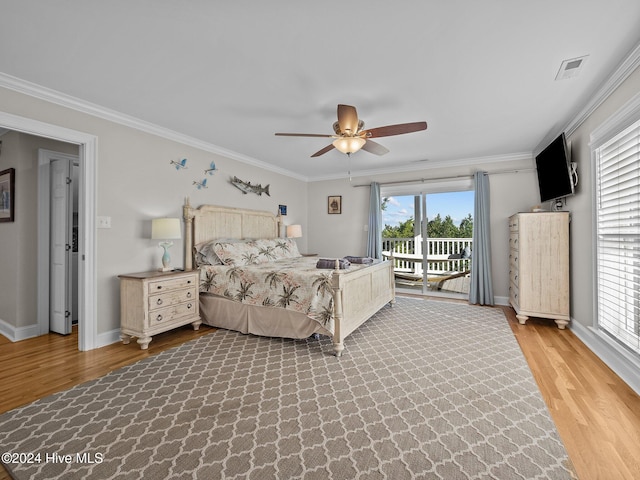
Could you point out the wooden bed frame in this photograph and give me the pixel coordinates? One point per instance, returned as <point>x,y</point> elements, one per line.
<point>357,294</point>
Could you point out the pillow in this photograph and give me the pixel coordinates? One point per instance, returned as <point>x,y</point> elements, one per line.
<point>203,254</point>
<point>272,249</point>
<point>237,254</point>
<point>466,253</point>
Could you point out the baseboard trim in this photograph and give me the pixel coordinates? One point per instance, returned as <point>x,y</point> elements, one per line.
<point>614,356</point>
<point>15,334</point>
<point>108,338</point>
<point>504,301</point>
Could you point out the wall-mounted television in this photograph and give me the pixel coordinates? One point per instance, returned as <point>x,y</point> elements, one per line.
<point>554,171</point>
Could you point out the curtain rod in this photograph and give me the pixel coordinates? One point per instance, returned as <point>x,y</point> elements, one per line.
<point>457,177</point>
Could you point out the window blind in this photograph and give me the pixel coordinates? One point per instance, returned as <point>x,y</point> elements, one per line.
<point>618,236</point>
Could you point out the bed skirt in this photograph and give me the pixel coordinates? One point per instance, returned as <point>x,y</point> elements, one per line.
<point>221,312</point>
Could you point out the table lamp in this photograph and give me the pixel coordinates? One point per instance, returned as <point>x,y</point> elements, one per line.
<point>165,229</point>
<point>294,231</point>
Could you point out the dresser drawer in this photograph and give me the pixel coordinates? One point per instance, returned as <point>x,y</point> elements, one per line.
<point>171,297</point>
<point>513,240</point>
<point>513,276</point>
<point>513,260</point>
<point>169,314</point>
<point>514,294</point>
<point>171,284</point>
<point>514,223</point>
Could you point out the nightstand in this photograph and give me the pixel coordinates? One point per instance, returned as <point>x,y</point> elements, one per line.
<point>154,302</point>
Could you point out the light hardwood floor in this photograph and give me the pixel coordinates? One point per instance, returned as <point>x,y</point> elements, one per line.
<point>596,413</point>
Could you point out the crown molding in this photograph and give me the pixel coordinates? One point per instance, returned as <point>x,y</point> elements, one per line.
<point>422,165</point>
<point>53,96</point>
<point>73,103</point>
<point>630,63</point>
<point>624,70</point>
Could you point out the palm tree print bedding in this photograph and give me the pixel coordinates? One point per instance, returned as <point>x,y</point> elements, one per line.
<point>289,283</point>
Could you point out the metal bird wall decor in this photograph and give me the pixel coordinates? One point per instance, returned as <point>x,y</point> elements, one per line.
<point>180,164</point>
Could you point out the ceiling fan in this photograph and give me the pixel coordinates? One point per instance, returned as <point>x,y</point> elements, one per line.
<point>350,135</point>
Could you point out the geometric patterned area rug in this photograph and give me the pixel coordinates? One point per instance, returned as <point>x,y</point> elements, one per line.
<point>426,389</point>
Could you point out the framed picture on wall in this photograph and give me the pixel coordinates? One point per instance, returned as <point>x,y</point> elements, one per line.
<point>282,209</point>
<point>335,204</point>
<point>7,194</point>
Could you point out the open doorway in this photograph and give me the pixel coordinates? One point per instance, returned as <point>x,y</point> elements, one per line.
<point>430,235</point>
<point>87,159</point>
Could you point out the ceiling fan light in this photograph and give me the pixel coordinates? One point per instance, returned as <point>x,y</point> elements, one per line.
<point>349,144</point>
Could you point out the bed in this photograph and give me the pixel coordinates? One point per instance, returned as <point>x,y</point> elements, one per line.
<point>354,293</point>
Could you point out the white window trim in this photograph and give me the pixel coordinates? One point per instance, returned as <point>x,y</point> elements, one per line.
<point>614,355</point>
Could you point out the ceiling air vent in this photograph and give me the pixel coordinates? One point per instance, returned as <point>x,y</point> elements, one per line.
<point>571,68</point>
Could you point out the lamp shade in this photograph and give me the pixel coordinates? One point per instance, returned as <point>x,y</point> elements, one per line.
<point>165,228</point>
<point>294,231</point>
<point>349,144</point>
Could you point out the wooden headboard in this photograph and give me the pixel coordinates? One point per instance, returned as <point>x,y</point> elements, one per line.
<point>209,222</point>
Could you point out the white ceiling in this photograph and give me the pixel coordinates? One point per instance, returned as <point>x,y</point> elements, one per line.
<point>232,73</point>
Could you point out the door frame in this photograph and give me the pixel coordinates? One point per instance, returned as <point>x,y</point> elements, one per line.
<point>421,190</point>
<point>87,273</point>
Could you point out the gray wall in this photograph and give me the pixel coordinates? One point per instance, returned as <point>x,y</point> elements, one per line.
<point>338,235</point>
<point>136,183</point>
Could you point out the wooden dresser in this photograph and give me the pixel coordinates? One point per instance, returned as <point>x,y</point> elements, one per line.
<point>539,266</point>
<point>154,302</point>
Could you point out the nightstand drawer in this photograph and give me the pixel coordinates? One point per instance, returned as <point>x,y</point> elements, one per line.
<point>169,314</point>
<point>171,297</point>
<point>171,284</point>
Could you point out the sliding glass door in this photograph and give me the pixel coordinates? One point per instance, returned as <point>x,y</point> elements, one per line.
<point>429,233</point>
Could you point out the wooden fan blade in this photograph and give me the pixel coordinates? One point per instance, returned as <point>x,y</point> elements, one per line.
<point>304,135</point>
<point>324,150</point>
<point>347,119</point>
<point>399,129</point>
<point>375,148</point>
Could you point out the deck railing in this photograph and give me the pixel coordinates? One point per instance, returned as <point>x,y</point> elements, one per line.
<point>439,249</point>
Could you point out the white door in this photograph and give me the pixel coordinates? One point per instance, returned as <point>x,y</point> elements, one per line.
<point>60,291</point>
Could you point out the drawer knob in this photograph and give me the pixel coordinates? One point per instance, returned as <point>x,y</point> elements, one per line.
<point>159,287</point>
<point>159,318</point>
<point>188,294</point>
<point>189,305</point>
<point>159,301</point>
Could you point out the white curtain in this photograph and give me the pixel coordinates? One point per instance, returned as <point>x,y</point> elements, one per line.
<point>374,238</point>
<point>481,288</point>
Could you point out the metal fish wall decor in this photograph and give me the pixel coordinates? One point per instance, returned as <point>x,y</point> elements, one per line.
<point>246,187</point>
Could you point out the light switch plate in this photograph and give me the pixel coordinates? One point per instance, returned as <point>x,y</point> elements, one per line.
<point>104,222</point>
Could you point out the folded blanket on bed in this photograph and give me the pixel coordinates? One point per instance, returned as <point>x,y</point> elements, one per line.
<point>331,263</point>
<point>351,259</point>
